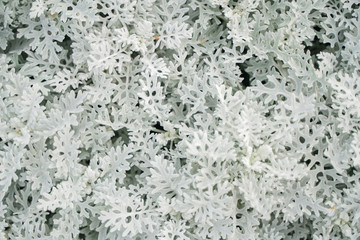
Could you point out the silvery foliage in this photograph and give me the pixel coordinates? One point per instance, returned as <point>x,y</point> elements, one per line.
<point>176,119</point>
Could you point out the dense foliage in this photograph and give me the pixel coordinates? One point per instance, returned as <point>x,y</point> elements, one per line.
<point>180,119</point>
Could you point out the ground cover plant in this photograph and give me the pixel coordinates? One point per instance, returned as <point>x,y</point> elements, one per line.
<point>179,119</point>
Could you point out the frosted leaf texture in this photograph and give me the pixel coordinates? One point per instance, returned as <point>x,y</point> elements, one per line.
<point>179,119</point>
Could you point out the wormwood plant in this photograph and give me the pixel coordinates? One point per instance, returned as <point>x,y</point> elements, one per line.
<point>180,119</point>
